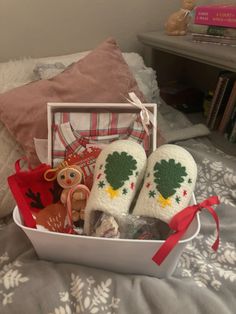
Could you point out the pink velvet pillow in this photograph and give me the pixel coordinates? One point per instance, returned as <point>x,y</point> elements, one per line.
<point>102,76</point>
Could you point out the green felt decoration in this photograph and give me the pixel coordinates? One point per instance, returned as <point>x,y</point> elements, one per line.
<point>124,191</point>
<point>152,194</point>
<point>101,184</point>
<point>177,199</point>
<point>168,176</point>
<point>119,167</point>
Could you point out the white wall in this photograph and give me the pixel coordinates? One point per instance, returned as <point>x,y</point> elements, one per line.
<point>49,27</point>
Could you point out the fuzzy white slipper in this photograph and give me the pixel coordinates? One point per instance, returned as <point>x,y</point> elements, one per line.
<point>118,173</point>
<point>169,183</point>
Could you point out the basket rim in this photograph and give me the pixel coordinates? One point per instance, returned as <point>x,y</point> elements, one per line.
<point>17,220</point>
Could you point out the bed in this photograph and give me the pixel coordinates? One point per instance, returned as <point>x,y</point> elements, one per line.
<point>204,281</point>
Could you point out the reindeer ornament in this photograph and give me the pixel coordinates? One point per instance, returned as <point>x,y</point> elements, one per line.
<point>74,194</point>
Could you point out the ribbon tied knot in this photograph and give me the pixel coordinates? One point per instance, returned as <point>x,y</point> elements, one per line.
<point>180,223</point>
<point>145,115</point>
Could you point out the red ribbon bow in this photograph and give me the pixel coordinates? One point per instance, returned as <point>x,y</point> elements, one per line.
<point>180,223</point>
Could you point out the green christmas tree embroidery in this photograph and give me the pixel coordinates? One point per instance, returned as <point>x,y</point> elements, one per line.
<point>168,176</point>
<point>119,167</point>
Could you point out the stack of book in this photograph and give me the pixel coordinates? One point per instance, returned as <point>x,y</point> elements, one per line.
<point>222,111</point>
<point>214,24</point>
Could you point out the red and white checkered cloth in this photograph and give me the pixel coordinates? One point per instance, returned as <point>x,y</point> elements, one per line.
<point>73,131</point>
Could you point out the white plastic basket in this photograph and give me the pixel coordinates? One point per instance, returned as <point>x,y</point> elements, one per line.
<point>119,255</point>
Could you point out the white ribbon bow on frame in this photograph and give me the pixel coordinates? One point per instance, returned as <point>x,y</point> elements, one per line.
<point>145,115</point>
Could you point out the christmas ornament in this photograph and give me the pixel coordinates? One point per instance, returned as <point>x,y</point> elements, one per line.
<point>67,175</point>
<point>75,204</point>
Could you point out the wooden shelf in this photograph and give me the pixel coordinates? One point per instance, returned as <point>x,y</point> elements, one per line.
<point>217,56</point>
<point>222,57</point>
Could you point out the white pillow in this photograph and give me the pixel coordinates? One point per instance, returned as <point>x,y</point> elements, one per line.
<point>45,71</point>
<point>15,73</point>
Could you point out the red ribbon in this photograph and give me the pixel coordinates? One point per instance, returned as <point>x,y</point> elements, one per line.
<point>180,223</point>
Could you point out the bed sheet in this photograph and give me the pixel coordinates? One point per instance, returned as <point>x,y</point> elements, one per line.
<point>203,282</point>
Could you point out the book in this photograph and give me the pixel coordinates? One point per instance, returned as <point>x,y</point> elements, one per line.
<point>232,136</point>
<point>217,97</point>
<point>216,14</point>
<point>222,106</point>
<point>212,30</point>
<point>203,38</point>
<point>230,128</point>
<point>218,105</point>
<point>231,104</point>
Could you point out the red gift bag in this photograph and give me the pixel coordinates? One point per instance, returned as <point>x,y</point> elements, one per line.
<point>32,192</point>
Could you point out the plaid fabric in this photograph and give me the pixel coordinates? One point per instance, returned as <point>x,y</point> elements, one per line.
<point>75,130</point>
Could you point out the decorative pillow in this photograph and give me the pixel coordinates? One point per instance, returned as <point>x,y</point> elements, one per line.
<point>101,76</point>
<point>16,73</point>
<point>145,76</point>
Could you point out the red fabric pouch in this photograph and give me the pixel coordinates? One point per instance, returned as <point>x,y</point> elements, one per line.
<point>32,192</point>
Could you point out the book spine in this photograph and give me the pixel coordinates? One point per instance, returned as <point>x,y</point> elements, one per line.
<point>212,30</point>
<point>213,42</point>
<point>216,15</point>
<point>230,125</point>
<point>218,104</point>
<point>214,39</point>
<point>232,136</point>
<point>215,100</point>
<point>221,31</point>
<point>229,109</point>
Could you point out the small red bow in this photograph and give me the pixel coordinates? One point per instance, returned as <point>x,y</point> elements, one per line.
<point>180,223</point>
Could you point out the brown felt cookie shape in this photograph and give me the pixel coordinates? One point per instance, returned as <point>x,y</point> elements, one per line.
<point>118,173</point>
<point>169,183</point>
